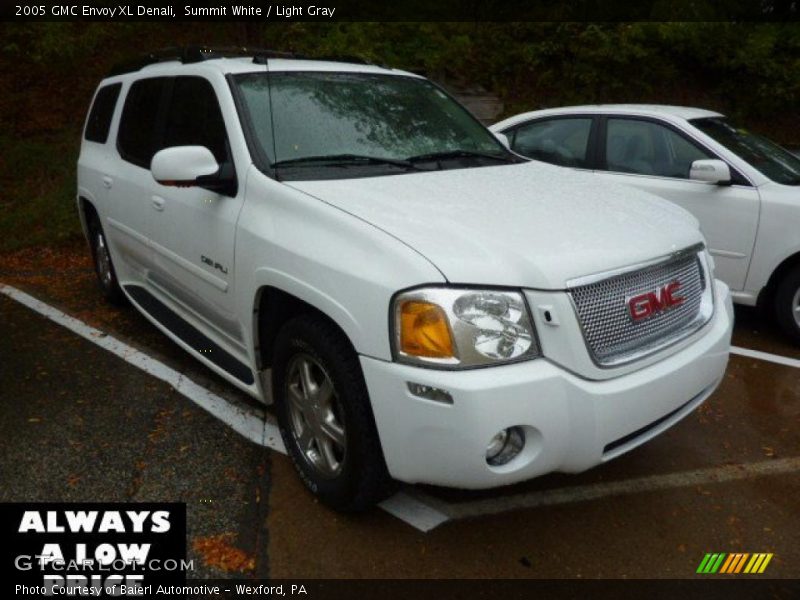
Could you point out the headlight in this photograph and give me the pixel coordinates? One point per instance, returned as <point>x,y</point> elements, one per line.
<point>462,328</point>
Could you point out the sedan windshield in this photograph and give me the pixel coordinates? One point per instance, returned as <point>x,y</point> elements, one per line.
<point>319,125</point>
<point>778,164</point>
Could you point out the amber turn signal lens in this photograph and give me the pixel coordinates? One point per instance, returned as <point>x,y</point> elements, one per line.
<point>424,330</point>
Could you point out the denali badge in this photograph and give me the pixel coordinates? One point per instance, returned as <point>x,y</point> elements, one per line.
<point>212,263</point>
<point>651,303</point>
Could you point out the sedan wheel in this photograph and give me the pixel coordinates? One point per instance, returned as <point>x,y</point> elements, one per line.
<point>787,304</point>
<point>796,308</point>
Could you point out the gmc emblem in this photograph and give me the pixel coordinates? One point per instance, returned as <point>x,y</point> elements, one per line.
<point>651,303</point>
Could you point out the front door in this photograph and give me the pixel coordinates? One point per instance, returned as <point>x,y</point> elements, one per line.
<point>193,229</point>
<point>656,158</point>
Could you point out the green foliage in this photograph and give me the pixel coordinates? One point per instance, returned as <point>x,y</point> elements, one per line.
<point>38,179</point>
<point>748,70</point>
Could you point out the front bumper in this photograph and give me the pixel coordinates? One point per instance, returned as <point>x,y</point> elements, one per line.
<point>571,423</point>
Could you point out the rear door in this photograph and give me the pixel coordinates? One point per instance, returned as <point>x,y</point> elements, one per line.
<point>655,156</point>
<point>193,229</point>
<point>96,162</point>
<point>130,182</point>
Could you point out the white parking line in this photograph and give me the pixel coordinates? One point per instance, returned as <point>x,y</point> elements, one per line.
<point>595,491</point>
<point>414,507</point>
<point>415,511</point>
<point>244,420</point>
<point>773,358</point>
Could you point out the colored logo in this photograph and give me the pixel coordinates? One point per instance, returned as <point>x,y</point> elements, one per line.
<point>730,564</point>
<point>651,303</point>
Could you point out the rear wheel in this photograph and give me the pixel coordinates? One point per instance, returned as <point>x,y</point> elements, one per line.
<point>103,266</point>
<point>787,304</point>
<point>325,416</point>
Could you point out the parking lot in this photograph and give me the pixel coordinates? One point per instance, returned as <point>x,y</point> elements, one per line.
<point>120,413</point>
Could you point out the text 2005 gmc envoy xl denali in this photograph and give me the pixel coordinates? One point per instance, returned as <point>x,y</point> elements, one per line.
<point>421,304</point>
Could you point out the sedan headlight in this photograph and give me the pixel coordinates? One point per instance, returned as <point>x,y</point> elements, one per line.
<point>462,328</point>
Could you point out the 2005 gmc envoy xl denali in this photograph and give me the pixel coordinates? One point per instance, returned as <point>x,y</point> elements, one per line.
<point>420,304</point>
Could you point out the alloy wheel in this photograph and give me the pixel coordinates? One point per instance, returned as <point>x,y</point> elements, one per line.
<point>103,260</point>
<point>315,415</point>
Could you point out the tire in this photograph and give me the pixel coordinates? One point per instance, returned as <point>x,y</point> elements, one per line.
<point>103,265</point>
<point>325,415</point>
<point>787,304</point>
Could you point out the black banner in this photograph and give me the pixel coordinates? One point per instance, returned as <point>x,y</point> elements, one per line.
<point>407,10</point>
<point>483,589</point>
<point>92,549</point>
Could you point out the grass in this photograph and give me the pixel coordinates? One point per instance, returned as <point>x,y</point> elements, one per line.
<point>37,178</point>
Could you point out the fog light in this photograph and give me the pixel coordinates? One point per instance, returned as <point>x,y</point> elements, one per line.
<point>504,446</point>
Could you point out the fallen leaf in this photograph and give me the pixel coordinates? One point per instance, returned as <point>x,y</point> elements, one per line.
<point>216,551</point>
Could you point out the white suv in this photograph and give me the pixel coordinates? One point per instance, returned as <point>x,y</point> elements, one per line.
<point>424,305</point>
<point>743,188</point>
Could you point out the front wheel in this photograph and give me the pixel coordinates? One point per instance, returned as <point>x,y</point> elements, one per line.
<point>787,304</point>
<point>325,415</point>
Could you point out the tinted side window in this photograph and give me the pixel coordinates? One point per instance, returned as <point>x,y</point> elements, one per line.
<point>558,141</point>
<point>647,148</point>
<point>138,137</point>
<point>99,121</point>
<point>194,118</point>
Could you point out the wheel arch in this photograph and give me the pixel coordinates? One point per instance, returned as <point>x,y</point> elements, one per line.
<point>767,293</point>
<point>274,306</point>
<point>86,210</point>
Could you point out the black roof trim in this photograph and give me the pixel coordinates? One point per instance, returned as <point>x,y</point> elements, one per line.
<point>196,54</point>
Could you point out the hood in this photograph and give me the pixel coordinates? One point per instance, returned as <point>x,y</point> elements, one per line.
<point>524,225</point>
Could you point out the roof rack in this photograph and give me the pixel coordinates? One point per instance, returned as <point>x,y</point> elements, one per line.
<point>196,54</point>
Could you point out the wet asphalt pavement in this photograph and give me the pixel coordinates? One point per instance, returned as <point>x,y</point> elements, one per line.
<point>78,423</point>
<point>81,425</point>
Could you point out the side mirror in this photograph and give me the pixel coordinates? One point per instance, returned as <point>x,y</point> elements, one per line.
<point>503,139</point>
<point>710,171</point>
<point>182,166</point>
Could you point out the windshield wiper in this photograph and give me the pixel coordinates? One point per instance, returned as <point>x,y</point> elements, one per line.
<point>457,154</point>
<point>344,159</point>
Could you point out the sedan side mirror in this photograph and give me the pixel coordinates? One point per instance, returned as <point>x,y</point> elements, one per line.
<point>710,171</point>
<point>182,166</point>
<point>503,139</point>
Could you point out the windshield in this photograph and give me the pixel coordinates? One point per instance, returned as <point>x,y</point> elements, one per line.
<point>773,161</point>
<point>325,125</point>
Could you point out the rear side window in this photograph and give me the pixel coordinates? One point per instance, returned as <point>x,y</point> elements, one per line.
<point>194,118</point>
<point>99,121</point>
<point>138,135</point>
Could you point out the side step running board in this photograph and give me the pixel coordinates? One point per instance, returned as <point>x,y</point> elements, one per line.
<point>189,334</point>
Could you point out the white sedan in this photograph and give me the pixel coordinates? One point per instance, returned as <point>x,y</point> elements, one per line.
<point>743,188</point>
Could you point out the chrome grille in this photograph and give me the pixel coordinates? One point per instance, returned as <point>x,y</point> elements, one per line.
<point>611,334</point>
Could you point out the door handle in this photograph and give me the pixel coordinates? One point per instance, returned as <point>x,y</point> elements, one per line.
<point>158,203</point>
<point>107,182</point>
